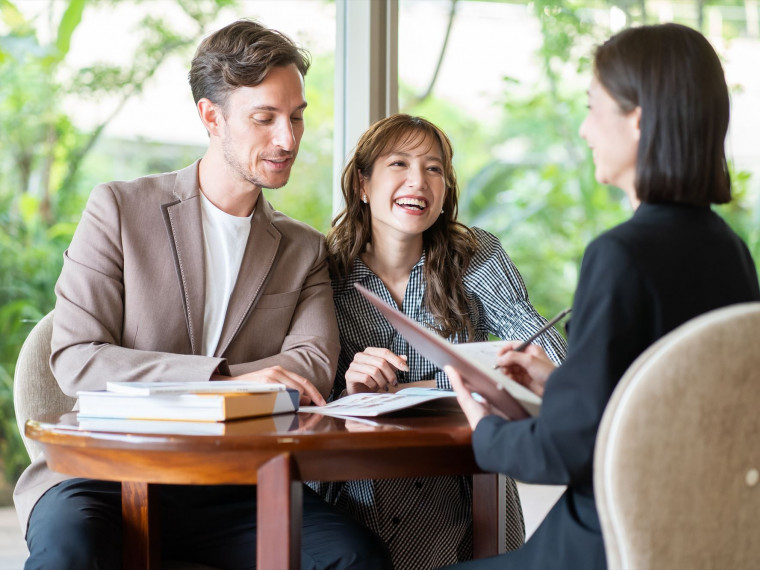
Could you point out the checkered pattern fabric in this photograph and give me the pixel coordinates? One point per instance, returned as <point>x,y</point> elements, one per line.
<point>427,522</point>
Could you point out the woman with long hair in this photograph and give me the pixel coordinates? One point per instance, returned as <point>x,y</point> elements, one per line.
<point>657,121</point>
<point>399,237</point>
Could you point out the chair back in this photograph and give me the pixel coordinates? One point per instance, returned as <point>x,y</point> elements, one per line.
<point>35,390</point>
<point>677,456</point>
<point>36,393</point>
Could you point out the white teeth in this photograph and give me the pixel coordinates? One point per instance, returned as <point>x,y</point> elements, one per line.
<point>415,202</point>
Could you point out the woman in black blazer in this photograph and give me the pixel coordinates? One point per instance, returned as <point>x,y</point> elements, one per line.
<point>657,120</point>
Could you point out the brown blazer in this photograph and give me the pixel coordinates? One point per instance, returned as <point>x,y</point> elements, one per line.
<point>130,299</point>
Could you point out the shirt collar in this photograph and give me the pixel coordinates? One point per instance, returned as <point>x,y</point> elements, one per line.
<point>360,272</point>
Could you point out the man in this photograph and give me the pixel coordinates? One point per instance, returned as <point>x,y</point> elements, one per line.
<point>191,275</point>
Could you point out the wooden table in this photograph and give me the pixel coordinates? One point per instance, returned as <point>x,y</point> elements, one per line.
<point>276,453</point>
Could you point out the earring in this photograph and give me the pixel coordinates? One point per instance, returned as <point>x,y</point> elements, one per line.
<point>441,211</point>
<point>364,198</point>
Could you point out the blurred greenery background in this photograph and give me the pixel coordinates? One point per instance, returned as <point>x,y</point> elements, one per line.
<point>525,174</point>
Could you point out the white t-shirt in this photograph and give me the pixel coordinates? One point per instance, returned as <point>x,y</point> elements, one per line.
<point>224,241</point>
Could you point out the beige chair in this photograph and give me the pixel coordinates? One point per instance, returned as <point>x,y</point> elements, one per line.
<point>36,393</point>
<point>677,457</point>
<point>35,390</point>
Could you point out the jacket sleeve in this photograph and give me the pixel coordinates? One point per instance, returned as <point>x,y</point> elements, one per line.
<point>312,345</point>
<point>506,310</point>
<point>89,312</point>
<point>609,329</point>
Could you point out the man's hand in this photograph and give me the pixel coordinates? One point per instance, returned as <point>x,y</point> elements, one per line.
<point>531,368</point>
<point>374,370</point>
<point>278,375</point>
<point>474,410</point>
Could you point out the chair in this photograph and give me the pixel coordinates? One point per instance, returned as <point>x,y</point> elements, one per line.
<point>36,393</point>
<point>35,390</point>
<point>677,454</point>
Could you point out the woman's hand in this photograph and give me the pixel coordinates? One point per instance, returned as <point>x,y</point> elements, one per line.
<point>374,370</point>
<point>531,368</point>
<point>473,410</point>
<point>278,375</point>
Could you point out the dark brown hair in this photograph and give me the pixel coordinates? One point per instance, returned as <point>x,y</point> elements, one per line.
<point>241,55</point>
<point>449,245</point>
<point>674,75</point>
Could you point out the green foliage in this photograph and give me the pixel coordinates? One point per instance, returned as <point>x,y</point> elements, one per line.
<point>30,261</point>
<point>42,187</point>
<point>308,194</point>
<point>69,22</point>
<point>529,178</point>
<point>743,212</point>
<point>539,194</point>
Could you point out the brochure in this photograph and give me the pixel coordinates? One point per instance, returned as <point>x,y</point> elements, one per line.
<point>374,404</point>
<point>474,360</point>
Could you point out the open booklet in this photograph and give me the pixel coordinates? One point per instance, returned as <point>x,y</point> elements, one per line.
<point>370,405</point>
<point>474,361</point>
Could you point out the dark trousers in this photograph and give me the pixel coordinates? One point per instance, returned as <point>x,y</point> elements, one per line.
<point>77,525</point>
<point>568,538</point>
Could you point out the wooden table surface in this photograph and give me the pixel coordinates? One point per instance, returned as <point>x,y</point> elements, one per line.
<point>277,453</point>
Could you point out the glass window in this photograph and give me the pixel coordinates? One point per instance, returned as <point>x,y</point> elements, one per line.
<point>506,81</point>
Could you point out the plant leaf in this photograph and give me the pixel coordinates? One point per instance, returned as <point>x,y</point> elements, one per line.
<point>69,23</point>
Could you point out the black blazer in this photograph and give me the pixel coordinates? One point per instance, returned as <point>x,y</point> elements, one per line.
<point>638,281</point>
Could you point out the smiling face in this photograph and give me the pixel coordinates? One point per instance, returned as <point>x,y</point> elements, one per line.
<point>261,128</point>
<point>613,137</point>
<point>406,189</point>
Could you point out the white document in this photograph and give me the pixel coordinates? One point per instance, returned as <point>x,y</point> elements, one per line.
<point>378,403</point>
<point>483,355</point>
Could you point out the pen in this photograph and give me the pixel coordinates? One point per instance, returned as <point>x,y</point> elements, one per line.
<point>539,332</point>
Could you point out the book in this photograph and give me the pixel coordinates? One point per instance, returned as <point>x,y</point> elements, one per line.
<point>279,422</point>
<point>190,407</point>
<point>474,360</point>
<point>216,387</point>
<point>374,404</point>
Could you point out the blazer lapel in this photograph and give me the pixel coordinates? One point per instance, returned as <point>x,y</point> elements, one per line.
<point>258,259</point>
<point>185,231</point>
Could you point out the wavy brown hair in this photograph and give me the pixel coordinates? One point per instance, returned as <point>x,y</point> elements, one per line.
<point>448,244</point>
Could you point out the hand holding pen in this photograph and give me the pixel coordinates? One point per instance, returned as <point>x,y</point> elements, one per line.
<point>528,363</point>
<point>522,346</point>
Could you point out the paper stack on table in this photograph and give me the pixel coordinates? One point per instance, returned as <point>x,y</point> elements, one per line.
<point>188,401</point>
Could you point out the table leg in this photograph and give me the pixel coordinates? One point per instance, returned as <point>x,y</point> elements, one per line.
<point>279,515</point>
<point>140,524</point>
<point>485,514</point>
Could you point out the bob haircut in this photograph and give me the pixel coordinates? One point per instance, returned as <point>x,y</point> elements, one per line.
<point>241,55</point>
<point>674,75</point>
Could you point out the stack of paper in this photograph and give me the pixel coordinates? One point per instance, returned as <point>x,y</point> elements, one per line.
<point>245,426</point>
<point>187,401</point>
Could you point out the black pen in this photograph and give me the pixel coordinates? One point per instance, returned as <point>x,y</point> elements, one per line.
<point>539,332</point>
